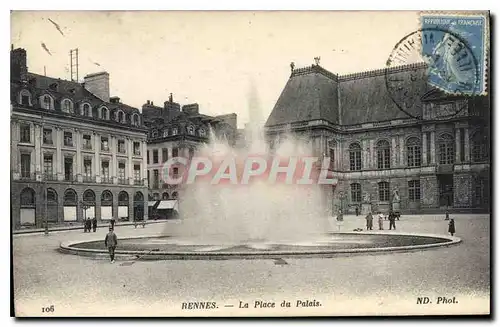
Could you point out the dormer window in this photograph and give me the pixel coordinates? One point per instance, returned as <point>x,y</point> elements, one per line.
<point>135,119</point>
<point>104,113</point>
<point>67,106</point>
<point>47,102</point>
<point>190,130</point>
<point>25,98</point>
<point>86,110</point>
<point>174,131</point>
<point>154,134</point>
<point>165,132</point>
<point>202,132</point>
<point>120,117</point>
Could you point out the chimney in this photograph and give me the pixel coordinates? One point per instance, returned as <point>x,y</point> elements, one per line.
<point>147,102</point>
<point>191,109</point>
<point>18,66</point>
<point>114,100</point>
<point>98,84</point>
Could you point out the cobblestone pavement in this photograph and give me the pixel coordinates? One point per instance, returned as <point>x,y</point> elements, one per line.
<point>360,284</point>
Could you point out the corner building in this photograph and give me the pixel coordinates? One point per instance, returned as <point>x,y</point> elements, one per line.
<point>435,153</point>
<point>75,146</point>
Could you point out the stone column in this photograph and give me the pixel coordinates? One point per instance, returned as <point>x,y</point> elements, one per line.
<point>424,149</point>
<point>365,154</point>
<point>466,145</point>
<point>457,145</point>
<point>97,163</point>
<point>14,156</point>
<point>394,152</point>
<point>130,163</point>
<point>373,156</point>
<point>114,162</point>
<point>144,168</point>
<point>433,147</point>
<point>339,158</point>
<point>79,160</point>
<point>402,159</point>
<point>38,145</point>
<point>58,139</point>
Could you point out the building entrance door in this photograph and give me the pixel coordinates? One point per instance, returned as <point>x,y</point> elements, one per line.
<point>445,182</point>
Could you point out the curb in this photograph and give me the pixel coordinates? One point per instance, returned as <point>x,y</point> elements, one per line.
<point>70,248</point>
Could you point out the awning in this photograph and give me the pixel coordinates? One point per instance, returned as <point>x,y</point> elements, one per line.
<point>168,204</point>
<point>151,203</point>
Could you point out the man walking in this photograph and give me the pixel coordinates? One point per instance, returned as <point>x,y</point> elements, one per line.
<point>369,221</point>
<point>112,222</point>
<point>392,220</point>
<point>111,241</point>
<point>94,224</point>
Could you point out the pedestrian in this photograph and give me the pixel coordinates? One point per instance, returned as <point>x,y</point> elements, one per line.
<point>369,221</point>
<point>451,227</point>
<point>111,241</point>
<point>94,224</point>
<point>85,225</point>
<point>447,215</point>
<point>357,211</point>
<point>112,221</point>
<point>392,220</point>
<point>380,222</point>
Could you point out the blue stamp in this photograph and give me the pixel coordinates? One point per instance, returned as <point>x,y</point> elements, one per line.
<point>455,49</point>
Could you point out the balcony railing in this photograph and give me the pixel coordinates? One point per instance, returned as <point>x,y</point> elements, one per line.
<point>87,146</point>
<point>68,143</point>
<point>137,152</point>
<point>70,178</point>
<point>122,181</point>
<point>88,179</point>
<point>106,180</point>
<point>27,176</point>
<point>138,182</point>
<point>50,177</point>
<point>121,150</point>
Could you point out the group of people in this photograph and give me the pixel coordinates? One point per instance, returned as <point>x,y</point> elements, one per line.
<point>392,220</point>
<point>89,224</point>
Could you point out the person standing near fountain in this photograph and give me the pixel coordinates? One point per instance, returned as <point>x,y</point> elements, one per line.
<point>111,241</point>
<point>451,227</point>
<point>380,222</point>
<point>392,220</point>
<point>369,221</point>
<point>94,224</point>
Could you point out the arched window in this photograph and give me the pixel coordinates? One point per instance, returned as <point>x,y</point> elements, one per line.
<point>104,113</point>
<point>51,195</point>
<point>156,196</point>
<point>47,102</point>
<point>356,192</point>
<point>165,132</point>
<point>413,152</point>
<point>154,134</point>
<point>25,98</point>
<point>86,110</point>
<point>190,130</point>
<point>70,197</point>
<point>480,147</point>
<point>138,197</point>
<point>202,132</point>
<point>383,154</point>
<point>355,157</point>
<point>28,197</point>
<point>446,149</point>
<point>123,197</point>
<point>383,191</point>
<point>67,106</point>
<point>174,131</point>
<point>164,196</point>
<point>135,119</point>
<point>89,197</point>
<point>106,198</point>
<point>120,117</point>
<point>175,195</point>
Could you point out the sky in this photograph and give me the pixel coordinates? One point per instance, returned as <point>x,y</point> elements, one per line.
<point>217,59</point>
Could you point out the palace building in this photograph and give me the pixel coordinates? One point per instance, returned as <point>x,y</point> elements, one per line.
<point>432,148</point>
<point>76,152</point>
<point>177,132</point>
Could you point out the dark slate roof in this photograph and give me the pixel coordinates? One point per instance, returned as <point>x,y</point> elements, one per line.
<point>310,94</point>
<point>364,97</point>
<point>314,93</point>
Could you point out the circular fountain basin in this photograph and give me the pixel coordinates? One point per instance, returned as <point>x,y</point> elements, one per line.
<point>330,245</point>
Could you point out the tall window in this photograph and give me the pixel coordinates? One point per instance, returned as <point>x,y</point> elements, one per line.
<point>87,110</point>
<point>105,171</point>
<point>68,168</point>
<point>121,172</point>
<point>202,132</point>
<point>87,169</point>
<point>480,146</point>
<point>104,143</point>
<point>174,131</point>
<point>414,190</point>
<point>331,153</point>
<point>47,136</point>
<point>25,130</point>
<point>121,146</point>
<point>105,113</point>
<point>25,165</point>
<point>67,106</point>
<point>147,155</point>
<point>25,98</point>
<point>155,179</point>
<point>68,138</point>
<point>175,152</point>
<point>164,154</point>
<point>137,173</point>
<point>383,154</point>
<point>137,148</point>
<point>355,157</point>
<point>383,191</point>
<point>87,142</point>
<point>190,130</point>
<point>356,192</point>
<point>413,151</point>
<point>48,165</point>
<point>446,149</point>
<point>155,156</point>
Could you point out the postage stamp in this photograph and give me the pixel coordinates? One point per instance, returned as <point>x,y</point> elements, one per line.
<point>456,50</point>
